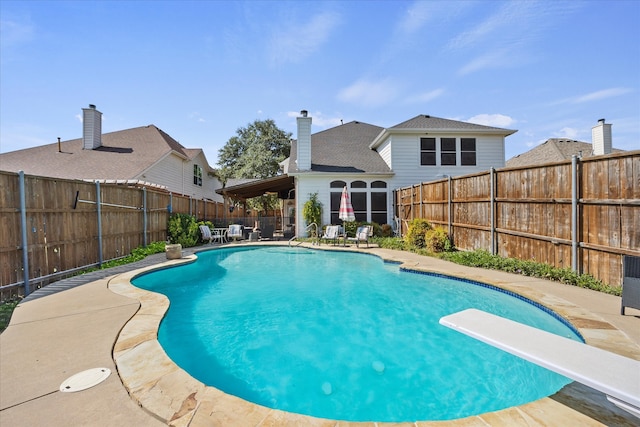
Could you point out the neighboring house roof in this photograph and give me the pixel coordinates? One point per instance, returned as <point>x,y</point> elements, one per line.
<point>553,150</point>
<point>344,148</point>
<point>123,154</point>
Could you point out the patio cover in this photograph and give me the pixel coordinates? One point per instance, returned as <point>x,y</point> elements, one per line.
<point>279,184</point>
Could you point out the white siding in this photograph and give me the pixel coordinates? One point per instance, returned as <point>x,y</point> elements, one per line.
<point>177,175</point>
<point>167,172</point>
<point>406,159</point>
<point>385,152</point>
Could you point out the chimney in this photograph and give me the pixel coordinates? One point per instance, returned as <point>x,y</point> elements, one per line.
<point>304,141</point>
<point>91,128</point>
<point>601,138</point>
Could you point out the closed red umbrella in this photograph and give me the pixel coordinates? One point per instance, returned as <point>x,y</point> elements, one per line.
<point>346,210</point>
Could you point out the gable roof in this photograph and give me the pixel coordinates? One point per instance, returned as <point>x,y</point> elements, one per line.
<point>343,149</point>
<point>123,154</point>
<point>553,150</point>
<point>427,123</point>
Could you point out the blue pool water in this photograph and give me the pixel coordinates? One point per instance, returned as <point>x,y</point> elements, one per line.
<point>342,336</point>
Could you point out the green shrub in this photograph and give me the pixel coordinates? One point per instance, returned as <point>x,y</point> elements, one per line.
<point>484,259</point>
<point>312,212</point>
<point>416,230</point>
<point>386,230</point>
<point>390,243</point>
<point>183,229</point>
<point>436,240</point>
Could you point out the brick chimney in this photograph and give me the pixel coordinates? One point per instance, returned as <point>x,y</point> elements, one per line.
<point>601,138</point>
<point>304,141</point>
<point>91,128</point>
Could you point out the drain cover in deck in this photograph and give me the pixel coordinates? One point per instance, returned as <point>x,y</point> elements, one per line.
<point>85,379</point>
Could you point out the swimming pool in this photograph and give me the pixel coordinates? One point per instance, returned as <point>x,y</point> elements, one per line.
<point>341,336</point>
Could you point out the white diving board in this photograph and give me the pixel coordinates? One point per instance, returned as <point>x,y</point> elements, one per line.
<point>616,376</point>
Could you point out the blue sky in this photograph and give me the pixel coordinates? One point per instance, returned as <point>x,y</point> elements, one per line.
<point>199,70</point>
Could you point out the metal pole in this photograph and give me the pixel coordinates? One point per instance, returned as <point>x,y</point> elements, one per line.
<point>493,210</point>
<point>144,216</point>
<point>99,212</point>
<point>23,226</point>
<point>450,208</point>
<point>574,213</point>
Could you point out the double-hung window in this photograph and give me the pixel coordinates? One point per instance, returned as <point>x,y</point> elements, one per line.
<point>197,175</point>
<point>448,151</point>
<point>468,151</point>
<point>428,151</point>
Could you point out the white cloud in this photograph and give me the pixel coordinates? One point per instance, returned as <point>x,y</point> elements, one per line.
<point>495,120</point>
<point>370,93</point>
<point>416,16</point>
<point>567,132</point>
<point>601,94</point>
<point>293,43</point>
<point>319,119</point>
<point>14,33</point>
<point>425,96</point>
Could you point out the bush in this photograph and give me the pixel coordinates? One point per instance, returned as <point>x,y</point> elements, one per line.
<point>386,230</point>
<point>437,240</point>
<point>415,236</point>
<point>183,229</point>
<point>312,212</point>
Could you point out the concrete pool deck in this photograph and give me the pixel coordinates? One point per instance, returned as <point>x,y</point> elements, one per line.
<point>57,334</point>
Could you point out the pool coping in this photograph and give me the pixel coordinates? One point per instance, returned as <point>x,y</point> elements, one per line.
<point>171,395</point>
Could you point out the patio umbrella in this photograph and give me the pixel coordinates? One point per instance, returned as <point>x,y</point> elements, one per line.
<point>346,210</point>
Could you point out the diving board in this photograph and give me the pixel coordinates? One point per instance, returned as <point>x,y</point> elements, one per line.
<point>616,376</point>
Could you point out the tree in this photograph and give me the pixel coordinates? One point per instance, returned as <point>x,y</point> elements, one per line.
<point>255,152</point>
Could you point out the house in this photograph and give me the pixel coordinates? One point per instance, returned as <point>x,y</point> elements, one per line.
<point>144,155</point>
<point>562,149</point>
<point>372,161</point>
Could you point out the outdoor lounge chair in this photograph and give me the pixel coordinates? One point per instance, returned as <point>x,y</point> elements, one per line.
<point>630,283</point>
<point>362,235</point>
<point>235,232</point>
<point>266,232</point>
<point>331,233</point>
<point>206,233</point>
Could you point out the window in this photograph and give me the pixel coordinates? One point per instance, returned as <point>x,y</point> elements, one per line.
<point>334,196</point>
<point>468,151</point>
<point>428,151</point>
<point>447,151</point>
<point>197,175</point>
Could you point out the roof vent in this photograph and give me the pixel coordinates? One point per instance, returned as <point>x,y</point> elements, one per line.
<point>426,116</point>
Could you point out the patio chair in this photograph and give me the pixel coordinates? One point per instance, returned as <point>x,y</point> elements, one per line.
<point>330,233</point>
<point>235,232</point>
<point>266,232</point>
<point>630,283</point>
<point>362,235</point>
<point>206,233</point>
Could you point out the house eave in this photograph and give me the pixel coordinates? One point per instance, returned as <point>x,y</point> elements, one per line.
<point>434,131</point>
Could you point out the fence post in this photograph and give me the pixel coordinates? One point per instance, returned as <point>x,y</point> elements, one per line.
<point>574,213</point>
<point>492,177</point>
<point>23,226</point>
<point>450,206</point>
<point>99,212</point>
<point>144,217</point>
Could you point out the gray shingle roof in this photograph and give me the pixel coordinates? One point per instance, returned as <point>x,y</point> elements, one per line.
<point>124,154</point>
<point>424,121</point>
<point>553,150</point>
<point>344,149</point>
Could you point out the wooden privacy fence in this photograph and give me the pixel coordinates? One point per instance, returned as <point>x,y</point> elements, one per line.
<point>583,214</point>
<point>68,225</point>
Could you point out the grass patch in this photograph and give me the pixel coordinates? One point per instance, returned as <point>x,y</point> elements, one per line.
<point>484,259</point>
<point>6,309</point>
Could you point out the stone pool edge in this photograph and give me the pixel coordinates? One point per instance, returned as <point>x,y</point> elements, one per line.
<point>170,394</point>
